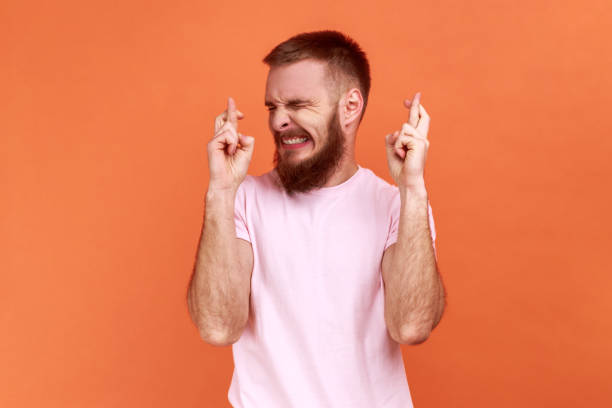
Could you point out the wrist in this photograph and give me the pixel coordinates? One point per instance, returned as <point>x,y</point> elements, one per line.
<point>221,194</point>
<point>414,187</point>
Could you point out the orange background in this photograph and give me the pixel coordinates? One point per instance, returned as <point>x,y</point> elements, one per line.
<point>105,114</point>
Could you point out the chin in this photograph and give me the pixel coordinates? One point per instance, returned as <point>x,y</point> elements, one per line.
<point>297,156</point>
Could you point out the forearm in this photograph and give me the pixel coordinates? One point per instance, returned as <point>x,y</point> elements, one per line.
<point>441,302</point>
<point>214,291</point>
<point>416,294</point>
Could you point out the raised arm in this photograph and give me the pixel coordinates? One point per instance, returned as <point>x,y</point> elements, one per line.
<point>414,292</point>
<point>219,289</point>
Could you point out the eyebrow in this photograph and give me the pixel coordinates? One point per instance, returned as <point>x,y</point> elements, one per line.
<point>294,101</point>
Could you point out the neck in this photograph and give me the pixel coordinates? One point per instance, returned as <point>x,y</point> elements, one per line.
<point>346,169</point>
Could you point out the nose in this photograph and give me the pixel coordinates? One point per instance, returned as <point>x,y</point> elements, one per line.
<point>279,120</point>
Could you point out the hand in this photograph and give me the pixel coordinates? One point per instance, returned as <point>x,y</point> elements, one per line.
<point>407,147</point>
<point>229,152</point>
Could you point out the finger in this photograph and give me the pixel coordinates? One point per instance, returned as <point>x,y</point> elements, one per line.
<point>403,140</point>
<point>246,141</point>
<point>226,135</point>
<point>229,137</point>
<point>225,140</point>
<point>423,126</point>
<point>232,144</point>
<point>403,144</point>
<point>226,127</point>
<point>414,110</point>
<point>238,144</point>
<point>399,151</point>
<point>410,142</point>
<point>407,103</point>
<point>231,112</point>
<point>411,131</point>
<point>222,118</point>
<point>219,121</point>
<point>239,114</point>
<point>392,137</point>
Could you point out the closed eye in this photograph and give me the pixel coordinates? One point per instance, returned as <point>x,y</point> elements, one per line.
<point>297,103</point>
<point>293,106</point>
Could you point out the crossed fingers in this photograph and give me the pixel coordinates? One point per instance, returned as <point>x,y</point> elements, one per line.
<point>234,115</point>
<point>418,118</point>
<point>416,127</point>
<point>226,126</point>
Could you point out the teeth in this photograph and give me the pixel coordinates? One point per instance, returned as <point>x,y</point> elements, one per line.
<point>295,140</point>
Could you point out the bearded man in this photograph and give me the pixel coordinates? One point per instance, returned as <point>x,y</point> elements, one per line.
<point>316,271</point>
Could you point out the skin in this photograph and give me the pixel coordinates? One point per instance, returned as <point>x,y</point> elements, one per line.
<point>414,292</point>
<point>300,100</point>
<point>220,286</point>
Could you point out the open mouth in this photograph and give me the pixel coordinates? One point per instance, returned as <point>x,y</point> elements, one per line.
<point>295,142</point>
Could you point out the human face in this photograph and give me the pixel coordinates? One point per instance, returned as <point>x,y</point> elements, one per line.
<point>299,104</point>
<point>297,96</point>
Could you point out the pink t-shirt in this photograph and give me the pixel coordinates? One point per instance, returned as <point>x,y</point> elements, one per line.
<point>316,335</point>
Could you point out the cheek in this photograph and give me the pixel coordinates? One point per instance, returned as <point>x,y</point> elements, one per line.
<point>306,125</point>
<point>314,126</point>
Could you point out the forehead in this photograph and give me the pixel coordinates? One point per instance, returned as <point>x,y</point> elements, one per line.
<point>306,79</point>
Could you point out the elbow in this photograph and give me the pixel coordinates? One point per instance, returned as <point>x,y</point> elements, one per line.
<point>219,339</point>
<point>413,335</point>
<point>221,333</point>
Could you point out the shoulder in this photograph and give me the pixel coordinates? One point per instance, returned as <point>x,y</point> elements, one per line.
<point>264,182</point>
<point>379,187</point>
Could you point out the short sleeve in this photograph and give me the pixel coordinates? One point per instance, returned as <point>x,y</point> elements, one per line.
<point>395,214</point>
<point>432,228</point>
<point>240,213</point>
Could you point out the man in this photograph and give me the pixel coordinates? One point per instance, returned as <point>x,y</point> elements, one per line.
<point>318,270</point>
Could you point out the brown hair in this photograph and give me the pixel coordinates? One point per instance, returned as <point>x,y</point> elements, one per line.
<point>345,59</point>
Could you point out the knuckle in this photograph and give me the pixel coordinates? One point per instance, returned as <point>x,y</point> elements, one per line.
<point>223,133</point>
<point>227,126</point>
<point>219,135</point>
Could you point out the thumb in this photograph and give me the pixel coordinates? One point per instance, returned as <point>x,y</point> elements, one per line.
<point>247,142</point>
<point>391,138</point>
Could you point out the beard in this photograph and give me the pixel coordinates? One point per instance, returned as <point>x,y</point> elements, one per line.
<point>314,171</point>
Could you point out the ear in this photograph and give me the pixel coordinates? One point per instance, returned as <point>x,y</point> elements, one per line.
<point>351,107</point>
